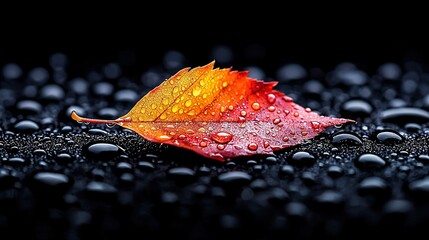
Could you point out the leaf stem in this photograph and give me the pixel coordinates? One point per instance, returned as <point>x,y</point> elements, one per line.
<point>78,118</point>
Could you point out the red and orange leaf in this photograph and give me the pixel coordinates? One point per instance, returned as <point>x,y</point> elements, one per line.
<point>221,114</point>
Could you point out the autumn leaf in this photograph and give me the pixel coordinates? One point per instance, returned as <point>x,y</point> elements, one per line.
<point>221,114</point>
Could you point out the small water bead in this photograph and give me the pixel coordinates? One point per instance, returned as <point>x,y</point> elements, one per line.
<point>162,137</point>
<point>271,108</point>
<point>356,108</point>
<point>271,98</point>
<point>220,146</point>
<point>222,137</point>
<point>256,106</point>
<point>301,158</point>
<point>252,146</point>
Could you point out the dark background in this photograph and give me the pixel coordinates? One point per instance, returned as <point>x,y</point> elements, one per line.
<point>314,39</point>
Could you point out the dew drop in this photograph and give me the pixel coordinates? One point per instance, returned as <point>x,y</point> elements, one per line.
<point>172,133</point>
<point>243,113</point>
<point>287,99</point>
<point>202,130</point>
<point>205,95</point>
<point>203,144</point>
<point>222,137</point>
<point>276,121</point>
<point>238,147</point>
<point>175,108</point>
<point>190,131</point>
<point>176,89</point>
<point>163,137</point>
<point>296,114</point>
<point>181,136</point>
<point>224,84</point>
<point>271,98</point>
<point>252,146</point>
<point>256,106</point>
<point>307,110</point>
<point>285,139</point>
<point>338,125</point>
<point>213,113</point>
<point>271,108</point>
<point>142,110</point>
<point>197,90</point>
<point>188,103</point>
<point>287,112</point>
<point>266,144</point>
<point>230,107</point>
<point>191,113</point>
<point>153,106</point>
<point>304,134</point>
<point>163,116</point>
<point>220,146</point>
<point>110,125</point>
<point>222,109</point>
<point>315,125</point>
<point>165,101</point>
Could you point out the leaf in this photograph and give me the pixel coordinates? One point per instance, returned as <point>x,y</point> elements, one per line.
<point>221,114</point>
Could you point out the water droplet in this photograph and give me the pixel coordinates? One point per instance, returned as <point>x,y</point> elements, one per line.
<point>256,106</point>
<point>296,114</point>
<point>203,144</point>
<point>276,121</point>
<point>197,90</point>
<point>222,109</point>
<point>301,158</point>
<point>51,183</point>
<point>175,108</point>
<point>266,144</point>
<point>176,89</point>
<point>271,98</point>
<point>238,147</point>
<point>243,113</point>
<point>202,130</point>
<point>163,116</point>
<point>370,161</point>
<point>220,146</point>
<point>162,137</point>
<point>389,137</point>
<point>315,125</point>
<point>285,139</point>
<point>304,134</point>
<point>181,136</point>
<point>188,103</point>
<point>230,107</point>
<point>104,151</point>
<point>338,125</point>
<point>224,84</point>
<point>153,106</point>
<point>346,138</point>
<point>191,113</point>
<point>222,137</point>
<point>110,125</point>
<point>190,131</point>
<point>356,108</point>
<point>165,101</point>
<point>26,126</point>
<point>205,95</point>
<point>271,108</point>
<point>286,112</point>
<point>405,115</point>
<point>252,146</point>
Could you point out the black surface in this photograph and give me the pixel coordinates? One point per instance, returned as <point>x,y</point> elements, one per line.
<point>63,180</point>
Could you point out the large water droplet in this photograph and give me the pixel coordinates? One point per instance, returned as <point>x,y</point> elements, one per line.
<point>188,103</point>
<point>222,137</point>
<point>104,151</point>
<point>405,115</point>
<point>26,126</point>
<point>349,138</point>
<point>390,137</point>
<point>301,158</point>
<point>356,108</point>
<point>162,137</point>
<point>370,161</point>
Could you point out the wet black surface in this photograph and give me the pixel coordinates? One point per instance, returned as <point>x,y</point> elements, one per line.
<point>63,180</point>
